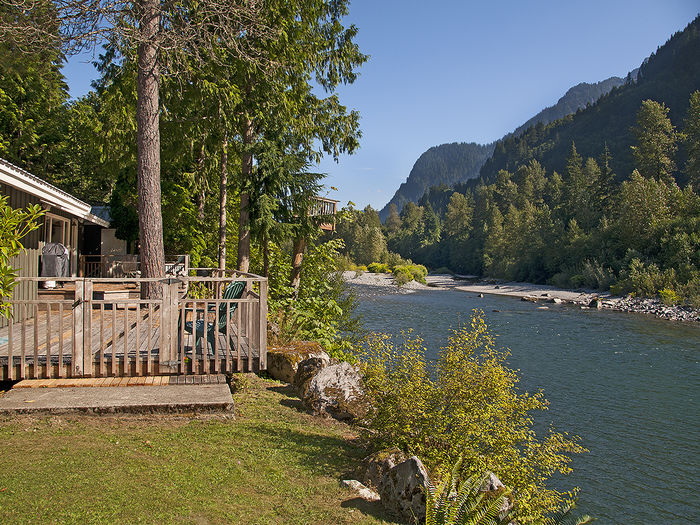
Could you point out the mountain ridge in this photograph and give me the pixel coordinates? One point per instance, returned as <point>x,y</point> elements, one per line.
<point>419,181</point>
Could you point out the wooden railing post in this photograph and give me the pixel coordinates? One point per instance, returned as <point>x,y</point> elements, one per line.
<point>263,324</point>
<point>87,327</point>
<point>168,357</point>
<point>78,348</point>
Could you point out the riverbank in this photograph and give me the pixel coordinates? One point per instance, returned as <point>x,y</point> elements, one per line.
<point>530,292</point>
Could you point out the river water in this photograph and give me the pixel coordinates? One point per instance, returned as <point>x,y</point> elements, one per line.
<point>626,383</point>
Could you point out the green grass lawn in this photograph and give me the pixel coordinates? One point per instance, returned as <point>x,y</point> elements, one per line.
<point>273,463</point>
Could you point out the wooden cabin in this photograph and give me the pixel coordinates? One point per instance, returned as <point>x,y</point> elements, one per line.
<point>65,221</point>
<point>100,326</point>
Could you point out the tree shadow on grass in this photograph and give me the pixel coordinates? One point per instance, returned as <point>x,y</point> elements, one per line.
<point>324,455</point>
<point>370,508</point>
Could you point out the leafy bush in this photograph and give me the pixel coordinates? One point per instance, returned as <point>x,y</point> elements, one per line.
<point>322,309</point>
<point>376,267</point>
<point>644,279</point>
<point>669,296</point>
<point>404,273</point>
<point>467,403</point>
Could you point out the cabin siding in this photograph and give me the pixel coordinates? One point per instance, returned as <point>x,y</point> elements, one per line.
<point>26,262</point>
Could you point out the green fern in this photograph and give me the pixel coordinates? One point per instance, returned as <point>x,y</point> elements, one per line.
<point>454,503</point>
<point>565,517</point>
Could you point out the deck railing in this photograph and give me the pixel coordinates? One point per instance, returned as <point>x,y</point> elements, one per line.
<point>100,266</point>
<point>102,328</point>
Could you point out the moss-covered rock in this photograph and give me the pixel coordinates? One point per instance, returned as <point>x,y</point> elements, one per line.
<point>337,391</point>
<point>283,361</point>
<point>376,465</point>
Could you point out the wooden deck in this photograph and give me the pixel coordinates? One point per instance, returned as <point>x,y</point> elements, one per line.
<point>102,327</point>
<point>48,340</point>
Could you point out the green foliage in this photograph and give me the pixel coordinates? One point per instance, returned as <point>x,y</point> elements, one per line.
<point>466,404</point>
<point>404,273</point>
<point>376,267</point>
<point>455,502</point>
<point>669,296</point>
<point>14,225</point>
<point>322,310</point>
<point>656,141</point>
<point>691,139</point>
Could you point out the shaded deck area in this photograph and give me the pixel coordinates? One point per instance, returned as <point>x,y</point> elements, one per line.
<point>48,339</point>
<point>104,329</point>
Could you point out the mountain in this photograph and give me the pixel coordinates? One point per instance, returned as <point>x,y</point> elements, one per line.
<point>456,163</point>
<point>576,98</point>
<point>670,76</point>
<point>446,164</point>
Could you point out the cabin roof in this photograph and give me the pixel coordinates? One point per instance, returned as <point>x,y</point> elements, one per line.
<point>47,193</point>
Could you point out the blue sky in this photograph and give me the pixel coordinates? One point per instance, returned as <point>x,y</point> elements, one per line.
<point>465,71</point>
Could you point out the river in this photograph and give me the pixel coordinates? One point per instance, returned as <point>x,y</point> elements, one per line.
<point>626,383</point>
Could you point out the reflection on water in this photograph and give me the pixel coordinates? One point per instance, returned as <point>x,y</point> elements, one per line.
<point>626,383</point>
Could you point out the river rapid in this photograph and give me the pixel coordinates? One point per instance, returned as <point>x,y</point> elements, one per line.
<point>627,384</point>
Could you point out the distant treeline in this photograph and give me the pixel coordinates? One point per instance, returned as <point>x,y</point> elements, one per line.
<point>579,228</point>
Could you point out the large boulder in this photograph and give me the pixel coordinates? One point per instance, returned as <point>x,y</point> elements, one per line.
<point>336,391</point>
<point>283,361</point>
<point>306,370</point>
<point>402,490</point>
<point>376,465</point>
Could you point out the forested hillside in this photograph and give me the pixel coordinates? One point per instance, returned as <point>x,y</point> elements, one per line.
<point>446,164</point>
<point>454,164</point>
<point>668,76</point>
<point>608,198</point>
<point>577,97</point>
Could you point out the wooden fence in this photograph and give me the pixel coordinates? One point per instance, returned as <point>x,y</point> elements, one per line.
<point>119,266</point>
<point>104,329</point>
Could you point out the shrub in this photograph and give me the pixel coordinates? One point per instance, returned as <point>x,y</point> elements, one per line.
<point>322,310</point>
<point>14,225</point>
<point>669,297</point>
<point>394,259</point>
<point>376,267</point>
<point>404,273</point>
<point>467,403</point>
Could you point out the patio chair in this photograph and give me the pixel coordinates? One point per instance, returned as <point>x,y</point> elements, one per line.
<point>226,310</point>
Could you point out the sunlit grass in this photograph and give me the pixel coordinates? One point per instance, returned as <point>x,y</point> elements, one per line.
<point>273,463</point>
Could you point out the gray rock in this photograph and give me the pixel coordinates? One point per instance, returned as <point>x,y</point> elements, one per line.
<point>306,370</point>
<point>376,465</point>
<point>402,490</point>
<point>336,391</point>
<point>283,361</point>
<point>493,485</point>
<point>529,298</point>
<point>555,300</point>
<point>364,492</point>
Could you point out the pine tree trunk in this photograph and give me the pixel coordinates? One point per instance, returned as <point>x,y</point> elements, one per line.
<point>297,258</point>
<point>244,214</point>
<point>202,187</point>
<point>148,148</point>
<point>266,255</point>
<point>223,194</point>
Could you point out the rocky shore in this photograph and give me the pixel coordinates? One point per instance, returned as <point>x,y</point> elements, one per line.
<point>531,292</point>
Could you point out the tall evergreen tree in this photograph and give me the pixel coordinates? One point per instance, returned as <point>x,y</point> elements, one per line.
<point>691,138</point>
<point>656,141</point>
